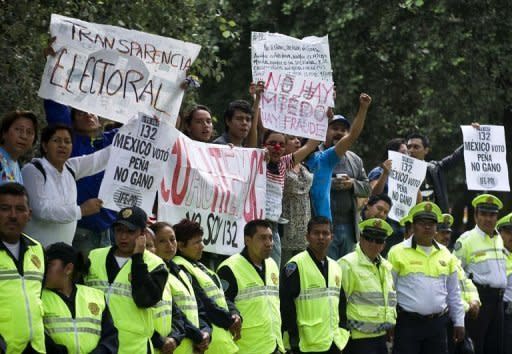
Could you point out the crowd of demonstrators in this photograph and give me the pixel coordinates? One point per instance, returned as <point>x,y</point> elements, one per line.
<point>333,278</point>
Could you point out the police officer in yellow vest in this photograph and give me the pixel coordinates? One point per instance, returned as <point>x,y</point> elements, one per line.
<point>223,314</point>
<point>470,298</point>
<point>368,291</point>
<point>191,331</point>
<point>132,279</point>
<point>76,318</point>
<point>21,276</point>
<point>482,256</point>
<point>309,292</point>
<point>504,227</point>
<point>425,277</point>
<point>250,280</point>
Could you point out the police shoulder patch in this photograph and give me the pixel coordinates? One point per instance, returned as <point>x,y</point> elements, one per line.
<point>290,268</point>
<point>457,246</point>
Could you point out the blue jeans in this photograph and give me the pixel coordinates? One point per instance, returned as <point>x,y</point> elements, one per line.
<point>276,249</point>
<point>86,240</point>
<point>343,242</point>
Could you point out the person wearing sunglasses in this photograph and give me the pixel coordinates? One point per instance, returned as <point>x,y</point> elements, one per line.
<point>427,287</point>
<point>368,297</point>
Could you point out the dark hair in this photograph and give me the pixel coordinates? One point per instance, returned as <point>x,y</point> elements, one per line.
<point>318,220</point>
<point>269,132</point>
<point>393,145</point>
<point>190,114</point>
<point>423,138</point>
<point>13,188</point>
<point>187,229</point>
<point>251,227</point>
<point>238,105</point>
<point>157,226</point>
<point>376,198</point>
<point>11,117</point>
<point>49,131</point>
<point>67,254</point>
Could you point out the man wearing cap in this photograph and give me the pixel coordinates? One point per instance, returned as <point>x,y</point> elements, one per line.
<point>367,291</point>
<point>334,164</point>
<point>132,279</point>
<point>482,256</point>
<point>309,292</point>
<point>504,227</point>
<point>427,288</point>
<point>21,275</point>
<point>469,293</point>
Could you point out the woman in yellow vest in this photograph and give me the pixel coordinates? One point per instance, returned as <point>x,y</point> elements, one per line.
<point>225,318</point>
<point>197,332</point>
<point>76,317</point>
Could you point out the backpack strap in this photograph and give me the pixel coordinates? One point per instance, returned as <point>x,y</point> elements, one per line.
<point>37,164</point>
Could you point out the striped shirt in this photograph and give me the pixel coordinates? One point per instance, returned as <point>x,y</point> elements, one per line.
<point>275,185</point>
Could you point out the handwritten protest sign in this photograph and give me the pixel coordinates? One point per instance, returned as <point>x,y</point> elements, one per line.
<point>485,157</point>
<point>275,52</point>
<point>114,72</point>
<point>134,170</point>
<point>221,188</point>
<point>296,105</point>
<point>407,175</point>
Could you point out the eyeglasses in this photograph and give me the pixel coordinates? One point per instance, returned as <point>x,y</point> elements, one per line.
<point>60,141</point>
<point>379,241</point>
<point>23,131</point>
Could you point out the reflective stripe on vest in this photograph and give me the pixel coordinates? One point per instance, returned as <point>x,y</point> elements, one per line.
<point>135,325</point>
<point>81,334</point>
<point>258,303</point>
<point>21,319</point>
<point>318,329</point>
<point>222,340</point>
<point>371,297</point>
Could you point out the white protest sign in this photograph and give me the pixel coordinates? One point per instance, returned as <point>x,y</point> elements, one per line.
<point>134,170</point>
<point>275,52</point>
<point>296,105</point>
<point>114,72</point>
<point>404,181</point>
<point>485,157</point>
<point>220,187</point>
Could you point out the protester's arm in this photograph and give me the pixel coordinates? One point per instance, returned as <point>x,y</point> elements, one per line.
<point>252,138</point>
<point>109,342</point>
<point>42,203</point>
<point>452,160</point>
<point>57,113</point>
<point>357,126</point>
<point>88,165</point>
<point>378,184</point>
<point>289,289</point>
<point>147,287</point>
<point>308,148</point>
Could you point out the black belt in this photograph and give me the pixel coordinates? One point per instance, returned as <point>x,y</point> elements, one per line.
<point>486,290</point>
<point>419,316</point>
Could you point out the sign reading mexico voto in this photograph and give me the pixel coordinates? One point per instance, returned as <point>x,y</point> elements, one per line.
<point>298,83</point>
<point>115,72</point>
<point>485,157</point>
<point>220,187</point>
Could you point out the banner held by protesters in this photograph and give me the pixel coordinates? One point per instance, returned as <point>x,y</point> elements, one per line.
<point>115,72</point>
<point>406,176</point>
<point>134,170</point>
<point>485,157</point>
<point>220,187</point>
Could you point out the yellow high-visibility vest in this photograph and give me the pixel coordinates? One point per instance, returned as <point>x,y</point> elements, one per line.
<point>371,297</point>
<point>222,340</point>
<point>258,303</point>
<point>134,324</point>
<point>318,329</point>
<point>80,334</point>
<point>21,313</point>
